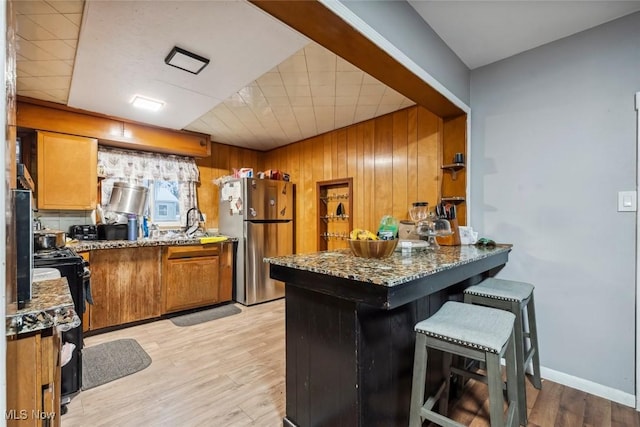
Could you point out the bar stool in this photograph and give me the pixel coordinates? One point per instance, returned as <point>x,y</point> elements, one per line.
<point>515,297</point>
<point>472,331</point>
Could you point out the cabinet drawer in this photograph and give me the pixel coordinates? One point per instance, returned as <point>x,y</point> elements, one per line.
<point>193,251</point>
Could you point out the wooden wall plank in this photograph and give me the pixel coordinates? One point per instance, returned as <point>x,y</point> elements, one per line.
<point>400,165</point>
<point>394,160</point>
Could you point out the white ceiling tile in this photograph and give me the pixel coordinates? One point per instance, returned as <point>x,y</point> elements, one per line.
<point>29,30</point>
<point>297,91</point>
<point>58,25</point>
<point>391,98</point>
<point>270,79</point>
<point>325,90</point>
<point>45,68</point>
<point>295,79</point>
<point>386,109</point>
<point>57,48</point>
<point>318,63</point>
<point>39,95</point>
<point>59,94</point>
<point>295,64</point>
<point>322,78</point>
<point>301,101</point>
<point>365,112</point>
<point>346,100</point>
<point>32,7</point>
<point>67,6</point>
<point>75,18</point>
<point>342,65</point>
<point>368,80</point>
<point>277,101</point>
<point>324,101</point>
<point>344,78</point>
<point>235,100</point>
<point>271,91</point>
<point>32,52</point>
<point>372,90</point>
<point>348,90</point>
<point>369,100</point>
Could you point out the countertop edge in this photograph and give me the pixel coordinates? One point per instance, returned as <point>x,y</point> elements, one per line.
<point>50,306</point>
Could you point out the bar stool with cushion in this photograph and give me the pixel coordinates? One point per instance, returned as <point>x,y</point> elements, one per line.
<point>471,331</point>
<point>515,297</point>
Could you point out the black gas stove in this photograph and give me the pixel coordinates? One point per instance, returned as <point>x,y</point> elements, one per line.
<point>75,269</point>
<point>49,257</point>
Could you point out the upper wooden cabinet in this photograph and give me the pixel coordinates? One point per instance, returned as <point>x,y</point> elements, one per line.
<point>46,116</point>
<point>67,172</point>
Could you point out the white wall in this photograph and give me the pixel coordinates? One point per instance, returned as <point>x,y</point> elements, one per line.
<point>552,142</point>
<point>401,25</point>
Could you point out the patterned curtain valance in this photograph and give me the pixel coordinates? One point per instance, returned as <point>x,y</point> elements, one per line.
<point>118,163</point>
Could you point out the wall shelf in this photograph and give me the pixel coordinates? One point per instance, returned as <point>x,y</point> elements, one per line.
<point>335,211</point>
<point>453,168</point>
<point>453,199</point>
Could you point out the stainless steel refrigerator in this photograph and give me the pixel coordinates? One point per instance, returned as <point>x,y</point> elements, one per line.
<point>259,212</point>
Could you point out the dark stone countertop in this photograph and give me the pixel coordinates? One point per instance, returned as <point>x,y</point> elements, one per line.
<point>388,272</point>
<point>90,245</point>
<point>50,306</point>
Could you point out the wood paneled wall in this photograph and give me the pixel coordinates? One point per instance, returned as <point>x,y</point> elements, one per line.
<point>223,159</point>
<point>394,160</point>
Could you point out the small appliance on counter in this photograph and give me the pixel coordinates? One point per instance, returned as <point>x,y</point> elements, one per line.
<point>83,232</point>
<point>112,231</point>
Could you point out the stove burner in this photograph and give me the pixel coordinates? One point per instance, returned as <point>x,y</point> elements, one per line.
<point>54,253</point>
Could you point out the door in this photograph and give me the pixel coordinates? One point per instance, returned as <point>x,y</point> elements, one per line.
<point>265,239</point>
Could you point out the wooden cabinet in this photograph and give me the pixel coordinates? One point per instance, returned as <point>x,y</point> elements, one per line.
<point>48,116</point>
<point>195,276</point>
<point>125,285</point>
<point>33,380</point>
<point>67,172</point>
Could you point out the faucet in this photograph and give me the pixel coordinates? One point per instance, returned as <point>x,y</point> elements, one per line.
<point>191,229</point>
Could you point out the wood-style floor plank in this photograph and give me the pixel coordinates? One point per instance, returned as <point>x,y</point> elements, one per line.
<point>230,372</point>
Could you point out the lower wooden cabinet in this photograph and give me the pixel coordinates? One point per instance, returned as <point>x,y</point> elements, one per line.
<point>33,380</point>
<point>190,277</point>
<point>125,284</point>
<point>133,284</point>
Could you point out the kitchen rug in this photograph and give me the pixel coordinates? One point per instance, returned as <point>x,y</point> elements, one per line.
<point>205,315</point>
<point>103,363</point>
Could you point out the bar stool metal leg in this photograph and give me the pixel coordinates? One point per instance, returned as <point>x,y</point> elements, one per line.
<point>533,338</point>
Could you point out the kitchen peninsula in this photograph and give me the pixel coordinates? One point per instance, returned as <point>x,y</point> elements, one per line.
<point>349,328</point>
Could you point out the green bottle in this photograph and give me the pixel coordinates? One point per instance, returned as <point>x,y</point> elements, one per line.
<point>388,229</point>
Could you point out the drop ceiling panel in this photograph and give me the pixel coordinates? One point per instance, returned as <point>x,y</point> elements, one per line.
<point>123,45</point>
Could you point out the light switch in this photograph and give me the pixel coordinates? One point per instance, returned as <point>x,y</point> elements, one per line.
<point>627,201</point>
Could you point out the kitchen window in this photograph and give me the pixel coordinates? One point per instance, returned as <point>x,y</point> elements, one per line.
<point>170,179</point>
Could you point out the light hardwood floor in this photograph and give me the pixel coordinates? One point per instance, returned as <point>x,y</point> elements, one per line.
<point>230,372</point>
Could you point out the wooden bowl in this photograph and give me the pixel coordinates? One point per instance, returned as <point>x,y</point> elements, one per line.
<point>373,248</point>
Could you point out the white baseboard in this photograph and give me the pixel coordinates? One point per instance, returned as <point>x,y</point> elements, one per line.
<point>590,387</point>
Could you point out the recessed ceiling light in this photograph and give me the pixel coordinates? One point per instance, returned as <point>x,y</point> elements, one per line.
<point>186,60</point>
<point>146,103</point>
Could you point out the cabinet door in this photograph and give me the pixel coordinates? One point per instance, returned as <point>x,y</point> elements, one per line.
<point>125,284</point>
<point>67,172</point>
<point>190,282</point>
<point>227,260</point>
